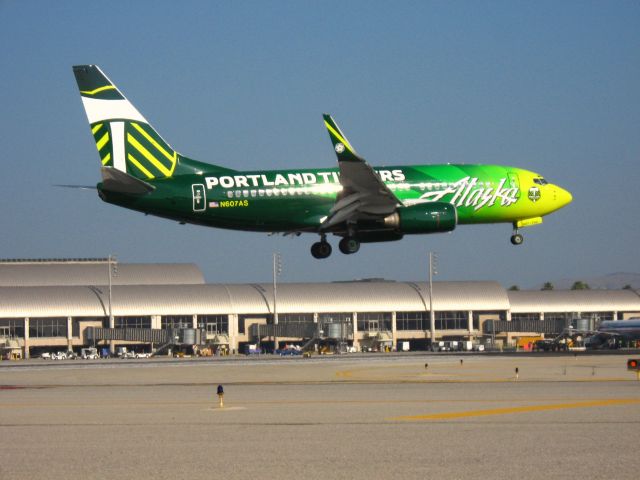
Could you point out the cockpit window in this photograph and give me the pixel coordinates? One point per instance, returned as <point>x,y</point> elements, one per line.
<point>540,181</point>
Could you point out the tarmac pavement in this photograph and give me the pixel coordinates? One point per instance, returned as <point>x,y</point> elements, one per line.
<point>354,416</point>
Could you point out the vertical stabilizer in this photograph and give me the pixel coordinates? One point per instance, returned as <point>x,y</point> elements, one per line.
<point>124,139</point>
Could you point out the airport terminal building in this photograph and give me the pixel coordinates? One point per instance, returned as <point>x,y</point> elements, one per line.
<point>50,305</point>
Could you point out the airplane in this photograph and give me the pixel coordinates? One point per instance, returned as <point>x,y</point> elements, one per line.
<point>357,202</point>
<point>611,332</point>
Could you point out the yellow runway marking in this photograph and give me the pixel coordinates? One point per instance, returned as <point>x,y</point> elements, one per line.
<point>503,411</point>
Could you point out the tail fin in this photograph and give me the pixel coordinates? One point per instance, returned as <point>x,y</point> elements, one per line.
<point>124,138</point>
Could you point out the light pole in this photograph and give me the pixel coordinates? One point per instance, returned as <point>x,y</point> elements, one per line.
<point>277,270</point>
<point>433,260</point>
<point>112,266</point>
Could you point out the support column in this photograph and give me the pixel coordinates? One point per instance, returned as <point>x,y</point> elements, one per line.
<point>112,343</point>
<point>194,325</point>
<point>354,320</point>
<point>233,333</point>
<point>69,333</point>
<point>156,321</point>
<point>394,340</point>
<point>26,338</point>
<point>470,322</point>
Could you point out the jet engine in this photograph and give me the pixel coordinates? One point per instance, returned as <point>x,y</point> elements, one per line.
<point>432,217</point>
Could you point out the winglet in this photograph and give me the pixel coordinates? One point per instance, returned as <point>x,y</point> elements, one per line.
<point>341,145</point>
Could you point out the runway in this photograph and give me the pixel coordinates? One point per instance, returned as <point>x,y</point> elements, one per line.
<point>346,417</point>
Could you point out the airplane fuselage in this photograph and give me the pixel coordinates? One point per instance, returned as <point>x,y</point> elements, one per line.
<point>299,200</point>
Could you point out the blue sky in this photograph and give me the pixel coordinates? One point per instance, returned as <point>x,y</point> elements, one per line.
<point>548,86</point>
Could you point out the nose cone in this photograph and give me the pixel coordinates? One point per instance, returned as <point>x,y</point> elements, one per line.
<point>563,197</point>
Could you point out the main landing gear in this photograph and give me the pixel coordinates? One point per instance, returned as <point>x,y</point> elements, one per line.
<point>349,245</point>
<point>516,238</point>
<point>322,249</point>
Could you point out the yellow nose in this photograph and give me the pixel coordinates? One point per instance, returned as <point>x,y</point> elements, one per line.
<point>563,197</point>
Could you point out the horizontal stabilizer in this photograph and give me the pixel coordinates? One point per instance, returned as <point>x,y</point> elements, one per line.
<point>78,187</point>
<point>114,180</point>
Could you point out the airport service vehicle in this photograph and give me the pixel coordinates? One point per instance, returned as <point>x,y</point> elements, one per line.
<point>131,354</point>
<point>355,201</point>
<point>289,352</point>
<point>89,353</point>
<point>68,355</point>
<point>252,349</point>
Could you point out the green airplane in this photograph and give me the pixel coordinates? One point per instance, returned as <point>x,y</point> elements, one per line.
<point>355,201</point>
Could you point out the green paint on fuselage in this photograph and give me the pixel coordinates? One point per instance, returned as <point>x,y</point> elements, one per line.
<point>298,200</point>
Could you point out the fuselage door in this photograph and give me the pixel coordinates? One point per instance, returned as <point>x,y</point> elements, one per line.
<point>514,183</point>
<point>199,198</point>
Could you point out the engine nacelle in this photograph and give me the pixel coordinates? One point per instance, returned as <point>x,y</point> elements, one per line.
<point>432,217</point>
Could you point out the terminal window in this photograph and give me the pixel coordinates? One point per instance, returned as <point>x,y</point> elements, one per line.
<point>12,327</point>
<point>214,323</point>
<point>132,322</point>
<point>412,321</point>
<point>48,327</point>
<point>176,321</point>
<point>452,320</point>
<point>374,322</point>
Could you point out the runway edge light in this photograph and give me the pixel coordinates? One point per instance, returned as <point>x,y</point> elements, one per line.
<point>220,392</point>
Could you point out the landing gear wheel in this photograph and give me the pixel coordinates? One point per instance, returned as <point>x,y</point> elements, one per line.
<point>321,249</point>
<point>349,245</point>
<point>517,239</point>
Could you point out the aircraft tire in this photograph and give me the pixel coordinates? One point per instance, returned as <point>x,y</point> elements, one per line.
<point>349,245</point>
<point>517,239</point>
<point>321,250</point>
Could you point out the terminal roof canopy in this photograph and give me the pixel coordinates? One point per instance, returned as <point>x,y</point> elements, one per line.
<point>69,273</point>
<point>573,300</point>
<point>67,289</point>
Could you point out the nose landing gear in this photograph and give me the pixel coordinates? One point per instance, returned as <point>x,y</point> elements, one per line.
<point>516,238</point>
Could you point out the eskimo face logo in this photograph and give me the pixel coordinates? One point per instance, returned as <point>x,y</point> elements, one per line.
<point>534,194</point>
<point>339,148</point>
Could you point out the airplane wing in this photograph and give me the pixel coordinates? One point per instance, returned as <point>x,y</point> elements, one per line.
<point>364,195</point>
